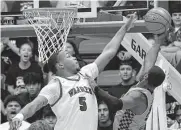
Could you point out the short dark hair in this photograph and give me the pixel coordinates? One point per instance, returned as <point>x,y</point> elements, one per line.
<point>11,98</point>
<point>39,125</point>
<point>77,55</point>
<point>176,9</point>
<point>28,43</point>
<point>47,111</point>
<point>32,78</point>
<point>126,62</point>
<point>102,102</point>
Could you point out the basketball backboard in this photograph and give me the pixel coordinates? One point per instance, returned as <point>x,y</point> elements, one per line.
<point>109,22</point>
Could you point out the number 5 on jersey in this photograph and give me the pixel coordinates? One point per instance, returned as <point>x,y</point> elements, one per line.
<point>82,102</point>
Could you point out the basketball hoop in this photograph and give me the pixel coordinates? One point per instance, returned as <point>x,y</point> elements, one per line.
<point>52,27</point>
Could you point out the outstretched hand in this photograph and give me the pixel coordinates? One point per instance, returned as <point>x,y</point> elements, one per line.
<point>15,124</point>
<point>130,23</point>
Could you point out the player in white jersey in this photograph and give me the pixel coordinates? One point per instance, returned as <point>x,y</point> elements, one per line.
<point>135,105</point>
<point>69,93</point>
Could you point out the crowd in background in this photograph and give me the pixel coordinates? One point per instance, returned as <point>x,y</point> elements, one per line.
<point>22,77</point>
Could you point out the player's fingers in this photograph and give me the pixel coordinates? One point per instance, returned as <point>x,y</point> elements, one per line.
<point>13,125</point>
<point>16,125</point>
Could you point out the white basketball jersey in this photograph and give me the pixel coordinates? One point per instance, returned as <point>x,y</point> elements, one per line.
<point>127,120</point>
<point>77,108</point>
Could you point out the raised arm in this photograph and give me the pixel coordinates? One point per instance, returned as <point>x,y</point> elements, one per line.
<point>28,111</point>
<point>112,47</point>
<point>151,56</point>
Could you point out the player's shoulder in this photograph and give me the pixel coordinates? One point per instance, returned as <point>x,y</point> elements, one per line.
<point>136,93</point>
<point>54,82</point>
<point>89,67</point>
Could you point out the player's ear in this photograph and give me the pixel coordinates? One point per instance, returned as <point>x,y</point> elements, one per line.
<point>60,65</point>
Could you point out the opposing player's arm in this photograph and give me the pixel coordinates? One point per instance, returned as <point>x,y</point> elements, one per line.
<point>112,47</point>
<point>129,101</point>
<point>113,102</point>
<point>151,57</point>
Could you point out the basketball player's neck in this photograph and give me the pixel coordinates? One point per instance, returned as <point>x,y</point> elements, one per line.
<point>64,74</point>
<point>150,88</point>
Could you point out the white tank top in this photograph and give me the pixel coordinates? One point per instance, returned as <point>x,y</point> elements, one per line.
<point>77,107</point>
<point>127,120</point>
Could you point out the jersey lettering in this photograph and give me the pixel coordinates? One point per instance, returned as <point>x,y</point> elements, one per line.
<point>82,102</point>
<point>76,90</point>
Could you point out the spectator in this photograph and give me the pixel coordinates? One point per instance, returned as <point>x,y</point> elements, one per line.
<point>172,50</point>
<point>5,63</point>
<point>16,72</point>
<point>49,117</point>
<point>72,49</point>
<point>105,122</point>
<point>33,83</point>
<point>177,123</point>
<point>39,125</point>
<point>4,94</point>
<point>13,105</point>
<point>127,77</point>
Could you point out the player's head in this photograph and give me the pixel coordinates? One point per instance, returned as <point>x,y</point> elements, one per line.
<point>39,125</point>
<point>25,52</point>
<point>62,62</point>
<point>126,70</point>
<point>155,77</point>
<point>49,116</point>
<point>12,105</point>
<point>103,112</point>
<point>33,83</point>
<point>176,15</point>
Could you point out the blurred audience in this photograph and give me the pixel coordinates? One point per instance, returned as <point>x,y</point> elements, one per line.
<point>172,49</point>
<point>33,84</point>
<point>73,51</point>
<point>12,106</point>
<point>177,122</point>
<point>49,117</point>
<point>104,120</point>
<point>14,79</point>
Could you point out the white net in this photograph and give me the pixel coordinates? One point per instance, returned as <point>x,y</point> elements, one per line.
<point>52,27</point>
